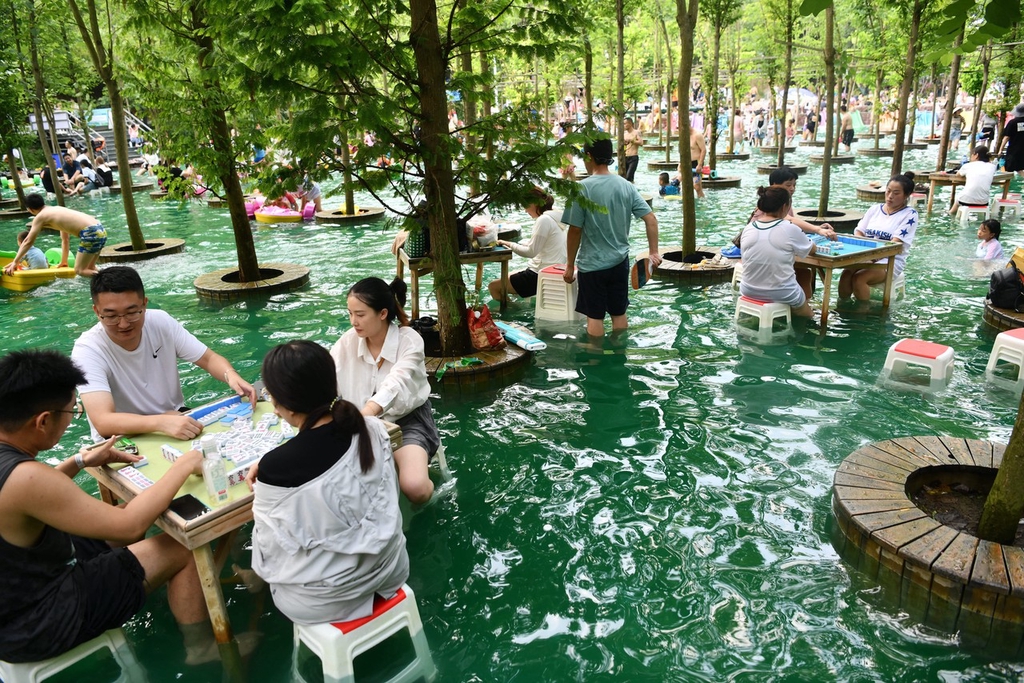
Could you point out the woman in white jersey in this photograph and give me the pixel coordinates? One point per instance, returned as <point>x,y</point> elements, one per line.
<point>770,245</point>
<point>892,221</point>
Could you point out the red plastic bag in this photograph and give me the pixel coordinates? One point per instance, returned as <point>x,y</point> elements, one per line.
<point>484,334</point>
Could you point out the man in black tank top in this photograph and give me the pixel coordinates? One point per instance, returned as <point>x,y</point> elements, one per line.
<point>61,583</point>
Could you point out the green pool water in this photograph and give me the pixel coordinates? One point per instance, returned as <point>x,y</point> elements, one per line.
<point>658,511</point>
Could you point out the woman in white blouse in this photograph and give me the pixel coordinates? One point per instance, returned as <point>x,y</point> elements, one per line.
<point>546,246</point>
<point>380,369</point>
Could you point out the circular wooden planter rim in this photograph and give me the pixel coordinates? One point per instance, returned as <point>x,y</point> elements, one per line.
<point>685,273</point>
<point>499,366</point>
<point>122,252</point>
<point>212,285</point>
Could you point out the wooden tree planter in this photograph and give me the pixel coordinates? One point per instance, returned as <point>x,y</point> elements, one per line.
<point>840,220</point>
<point>123,252</point>
<point>217,203</point>
<point>11,214</point>
<point>948,578</point>
<point>929,141</point>
<point>9,203</point>
<point>658,166</point>
<point>766,169</point>
<point>774,150</point>
<point>871,194</point>
<point>674,268</point>
<point>654,148</point>
<point>223,284</point>
<point>875,152</point>
<point>1002,319</point>
<point>720,183</point>
<point>735,156</point>
<point>339,217</point>
<point>158,195</point>
<point>812,143</point>
<point>498,369</point>
<point>837,160</point>
<point>915,145</point>
<point>141,187</point>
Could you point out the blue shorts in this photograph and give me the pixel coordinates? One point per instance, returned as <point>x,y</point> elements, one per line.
<point>604,292</point>
<point>92,239</point>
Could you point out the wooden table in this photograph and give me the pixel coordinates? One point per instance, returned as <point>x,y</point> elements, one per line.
<point>199,534</point>
<point>954,179</point>
<point>425,265</point>
<point>823,265</point>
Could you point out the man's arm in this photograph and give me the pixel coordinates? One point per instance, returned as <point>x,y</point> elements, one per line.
<point>572,246</point>
<point>219,367</point>
<point>99,405</point>
<point>65,247</point>
<point>702,146</point>
<point>651,225</point>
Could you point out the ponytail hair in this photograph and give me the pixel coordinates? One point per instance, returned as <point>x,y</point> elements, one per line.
<point>301,377</point>
<point>381,296</point>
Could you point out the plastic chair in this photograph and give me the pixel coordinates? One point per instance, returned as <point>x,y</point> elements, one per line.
<point>1009,347</point>
<point>916,198</point>
<point>337,645</point>
<point>965,212</point>
<point>938,358</point>
<point>766,312</point>
<point>899,286</point>
<point>1001,207</point>
<point>556,299</point>
<point>737,275</point>
<point>113,640</point>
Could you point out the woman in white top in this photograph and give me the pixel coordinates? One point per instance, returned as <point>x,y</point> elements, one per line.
<point>979,173</point>
<point>892,221</point>
<point>380,369</point>
<point>770,245</point>
<point>546,246</point>
<point>328,530</point>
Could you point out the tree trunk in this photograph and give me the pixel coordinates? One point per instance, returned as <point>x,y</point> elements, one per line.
<point>346,170</point>
<point>908,80</point>
<point>979,100</point>
<point>37,105</point>
<point>954,80</point>
<point>876,114</point>
<point>620,61</point>
<point>588,81</point>
<point>836,114</point>
<point>686,18</point>
<point>124,170</point>
<point>713,101</point>
<point>668,89</point>
<point>912,112</point>
<point>935,98</point>
<point>781,138</point>
<point>732,112</point>
<point>438,181</point>
<point>1005,504</point>
<point>488,139</point>
<point>12,163</point>
<point>469,119</point>
<point>830,105</point>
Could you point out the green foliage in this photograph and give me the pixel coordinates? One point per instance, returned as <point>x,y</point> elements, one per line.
<point>970,81</point>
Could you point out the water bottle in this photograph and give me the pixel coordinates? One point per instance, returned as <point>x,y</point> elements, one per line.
<point>214,474</point>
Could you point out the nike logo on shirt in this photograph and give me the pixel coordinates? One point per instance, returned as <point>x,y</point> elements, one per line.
<point>157,350</point>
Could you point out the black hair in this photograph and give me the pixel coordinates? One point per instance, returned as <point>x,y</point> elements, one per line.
<point>34,201</point>
<point>906,181</point>
<point>34,381</point>
<point>600,150</point>
<point>772,199</point>
<point>781,175</point>
<point>380,296</point>
<point>663,176</point>
<point>116,279</point>
<point>539,198</point>
<point>302,378</point>
<point>842,108</point>
<point>994,227</point>
<point>982,152</point>
<point>22,235</point>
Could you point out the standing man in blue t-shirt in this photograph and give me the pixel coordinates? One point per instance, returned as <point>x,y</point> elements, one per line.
<point>601,240</point>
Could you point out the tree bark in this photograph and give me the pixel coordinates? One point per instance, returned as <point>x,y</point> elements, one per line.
<point>830,105</point>
<point>37,105</point>
<point>686,18</point>
<point>439,181</point>
<point>954,80</point>
<point>908,80</point>
<point>12,164</point>
<point>620,61</point>
<point>1005,504</point>
<point>935,98</point>
<point>876,118</point>
<point>713,101</point>
<point>979,100</point>
<point>588,80</point>
<point>668,89</point>
<point>486,102</point>
<point>781,138</point>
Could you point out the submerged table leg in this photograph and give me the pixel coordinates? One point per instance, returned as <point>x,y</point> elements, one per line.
<point>931,195</point>
<point>504,289</point>
<point>210,580</point>
<point>826,294</point>
<point>887,292</point>
<point>479,276</point>
<point>415,284</point>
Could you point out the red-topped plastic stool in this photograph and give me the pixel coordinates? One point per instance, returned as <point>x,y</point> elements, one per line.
<point>916,198</point>
<point>938,358</point>
<point>766,312</point>
<point>1001,207</point>
<point>113,640</point>
<point>1009,347</point>
<point>556,299</point>
<point>965,212</point>
<point>337,645</point>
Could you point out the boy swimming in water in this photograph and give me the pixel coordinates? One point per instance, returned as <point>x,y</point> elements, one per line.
<point>89,231</point>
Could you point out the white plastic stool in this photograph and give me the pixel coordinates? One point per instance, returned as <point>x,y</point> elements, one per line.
<point>766,313</point>
<point>1000,207</point>
<point>337,645</point>
<point>113,640</point>
<point>899,286</point>
<point>1009,347</point>
<point>938,358</point>
<point>964,213</point>
<point>737,275</point>
<point>555,300</point>
<point>916,198</point>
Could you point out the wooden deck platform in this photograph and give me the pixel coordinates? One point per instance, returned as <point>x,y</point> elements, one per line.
<point>948,578</point>
<point>498,368</point>
<point>1002,319</point>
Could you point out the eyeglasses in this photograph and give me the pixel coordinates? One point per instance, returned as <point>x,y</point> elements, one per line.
<point>112,320</point>
<point>76,412</point>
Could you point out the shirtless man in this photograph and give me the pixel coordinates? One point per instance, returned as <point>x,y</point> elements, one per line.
<point>846,125</point>
<point>634,141</point>
<point>89,231</point>
<point>698,149</point>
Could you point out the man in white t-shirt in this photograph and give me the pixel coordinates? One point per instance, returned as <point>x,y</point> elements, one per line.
<point>130,360</point>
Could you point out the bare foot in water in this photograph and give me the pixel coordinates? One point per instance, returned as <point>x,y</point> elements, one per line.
<point>253,583</point>
<point>210,651</point>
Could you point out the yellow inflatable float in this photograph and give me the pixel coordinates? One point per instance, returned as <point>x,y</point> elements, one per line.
<point>24,280</point>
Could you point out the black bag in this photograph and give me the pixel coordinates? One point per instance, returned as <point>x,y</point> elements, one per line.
<point>1006,289</point>
<point>427,327</point>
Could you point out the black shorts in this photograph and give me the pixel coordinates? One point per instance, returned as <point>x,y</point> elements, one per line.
<point>848,137</point>
<point>111,583</point>
<point>604,291</point>
<point>524,282</point>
